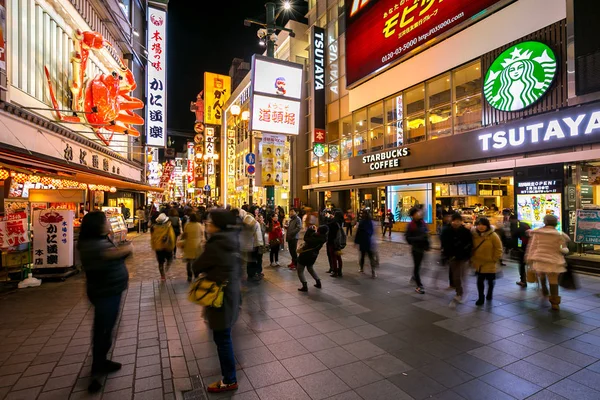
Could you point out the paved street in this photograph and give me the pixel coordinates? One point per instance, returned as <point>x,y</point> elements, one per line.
<point>357,338</point>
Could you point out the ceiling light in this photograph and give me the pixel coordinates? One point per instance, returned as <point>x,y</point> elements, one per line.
<point>287,5</point>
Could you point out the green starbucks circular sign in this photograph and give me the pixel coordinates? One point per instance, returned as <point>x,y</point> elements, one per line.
<point>520,76</point>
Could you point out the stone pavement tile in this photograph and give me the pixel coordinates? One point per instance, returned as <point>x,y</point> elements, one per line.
<point>208,366</point>
<point>303,365</point>
<point>289,390</point>
<point>493,356</point>
<point>588,378</point>
<point>67,370</point>
<point>363,349</point>
<point>267,374</point>
<point>150,370</point>
<point>351,321</point>
<point>540,376</point>
<point>60,382</point>
<point>472,365</point>
<point>387,365</point>
<point>382,390</point>
<point>388,343</point>
<point>291,348</point>
<point>124,394</point>
<point>244,396</point>
<point>344,336</point>
<point>122,382</point>
<point>446,395</point>
<point>317,343</point>
<point>145,361</point>
<point>328,326</point>
<point>512,348</point>
<point>59,394</point>
<point>414,357</point>
<point>553,364</point>
<point>33,348</point>
<point>357,374</point>
<point>274,336</point>
<point>19,359</point>
<point>473,390</point>
<point>30,381</point>
<point>203,350</point>
<point>244,342</point>
<point>335,357</point>
<point>252,357</point>
<point>574,357</point>
<point>155,394</point>
<point>570,389</point>
<point>511,384</point>
<point>9,380</point>
<point>547,334</point>
<point>314,317</point>
<point>392,325</point>
<point>595,367</point>
<point>264,325</point>
<point>322,385</point>
<point>439,349</point>
<point>416,384</point>
<point>369,331</point>
<point>531,342</point>
<point>149,383</point>
<point>26,394</point>
<point>582,347</point>
<point>446,374</point>
<point>292,320</point>
<point>480,335</point>
<point>244,384</point>
<point>546,395</point>
<point>302,331</point>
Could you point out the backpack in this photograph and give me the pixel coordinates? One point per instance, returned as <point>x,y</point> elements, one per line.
<point>340,239</point>
<point>163,242</point>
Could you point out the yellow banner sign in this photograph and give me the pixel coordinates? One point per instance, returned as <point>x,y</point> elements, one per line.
<point>217,89</point>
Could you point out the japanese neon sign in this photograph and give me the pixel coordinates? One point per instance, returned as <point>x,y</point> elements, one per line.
<point>156,89</point>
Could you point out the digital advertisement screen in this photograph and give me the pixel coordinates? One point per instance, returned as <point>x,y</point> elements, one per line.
<point>275,115</point>
<point>277,79</point>
<point>381,32</point>
<point>536,199</point>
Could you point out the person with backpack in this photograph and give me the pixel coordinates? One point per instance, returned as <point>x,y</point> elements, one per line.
<point>417,236</point>
<point>457,244</point>
<point>314,239</point>
<point>487,252</point>
<point>366,246</point>
<point>162,239</point>
<point>336,242</point>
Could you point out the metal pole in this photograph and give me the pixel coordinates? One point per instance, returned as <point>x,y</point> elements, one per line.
<point>270,28</point>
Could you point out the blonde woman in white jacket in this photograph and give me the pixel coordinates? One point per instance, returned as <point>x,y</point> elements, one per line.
<point>546,255</point>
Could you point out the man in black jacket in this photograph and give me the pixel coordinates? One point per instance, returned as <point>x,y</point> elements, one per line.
<point>457,244</point>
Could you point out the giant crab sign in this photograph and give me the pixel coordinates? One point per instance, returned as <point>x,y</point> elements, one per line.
<point>102,102</point>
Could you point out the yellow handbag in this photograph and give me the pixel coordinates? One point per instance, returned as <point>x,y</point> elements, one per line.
<point>207,293</point>
<point>531,275</point>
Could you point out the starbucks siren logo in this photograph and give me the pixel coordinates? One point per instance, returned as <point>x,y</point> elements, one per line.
<point>520,76</point>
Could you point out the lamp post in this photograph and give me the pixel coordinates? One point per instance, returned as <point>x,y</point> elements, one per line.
<point>267,34</point>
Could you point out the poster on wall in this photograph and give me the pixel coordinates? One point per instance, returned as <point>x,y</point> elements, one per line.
<point>52,239</point>
<point>536,199</point>
<point>14,230</point>
<point>156,134</point>
<point>594,176</point>
<point>273,159</point>
<point>217,89</point>
<point>3,35</point>
<point>587,227</point>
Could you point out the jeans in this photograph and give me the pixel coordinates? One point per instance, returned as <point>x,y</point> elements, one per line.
<point>387,227</point>
<point>106,310</point>
<point>292,246</point>
<point>311,271</point>
<point>372,259</point>
<point>349,229</point>
<point>417,256</point>
<point>274,254</point>
<point>225,350</point>
<point>481,278</point>
<point>335,259</point>
<point>457,270</point>
<point>522,266</point>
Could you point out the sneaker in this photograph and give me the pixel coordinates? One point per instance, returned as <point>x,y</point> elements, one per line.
<point>420,290</point>
<point>458,299</point>
<point>272,265</point>
<point>277,264</point>
<point>218,387</point>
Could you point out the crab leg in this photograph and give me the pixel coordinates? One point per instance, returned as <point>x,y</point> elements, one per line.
<point>130,118</point>
<point>55,102</point>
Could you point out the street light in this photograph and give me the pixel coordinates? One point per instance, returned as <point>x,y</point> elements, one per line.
<point>235,110</point>
<point>287,5</point>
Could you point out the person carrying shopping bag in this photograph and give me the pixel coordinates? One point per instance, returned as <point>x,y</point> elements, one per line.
<point>487,252</point>
<point>275,237</point>
<point>546,255</point>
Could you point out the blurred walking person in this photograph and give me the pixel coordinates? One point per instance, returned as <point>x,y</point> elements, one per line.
<point>251,241</point>
<point>275,236</point>
<point>106,279</point>
<point>221,263</point>
<point>457,244</point>
<point>162,239</point>
<point>314,239</point>
<point>366,245</point>
<point>487,253</point>
<point>417,236</point>
<point>292,234</point>
<point>519,239</point>
<point>546,255</point>
<point>388,223</point>
<point>194,240</point>
<point>142,223</point>
<point>334,246</point>
<point>176,225</point>
<point>349,221</point>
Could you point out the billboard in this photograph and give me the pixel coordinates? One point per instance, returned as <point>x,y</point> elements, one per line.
<point>318,111</point>
<point>276,96</point>
<point>217,89</point>
<point>382,32</point>
<point>156,134</point>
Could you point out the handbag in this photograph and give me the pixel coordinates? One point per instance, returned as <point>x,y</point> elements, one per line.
<point>207,293</point>
<point>531,275</point>
<point>274,242</point>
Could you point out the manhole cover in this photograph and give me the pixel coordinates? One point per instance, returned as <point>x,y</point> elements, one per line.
<point>198,392</point>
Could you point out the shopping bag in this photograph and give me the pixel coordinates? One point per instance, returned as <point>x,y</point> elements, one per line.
<point>531,275</point>
<point>207,293</point>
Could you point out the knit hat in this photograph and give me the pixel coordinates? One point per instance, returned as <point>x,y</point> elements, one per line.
<point>222,219</point>
<point>162,218</point>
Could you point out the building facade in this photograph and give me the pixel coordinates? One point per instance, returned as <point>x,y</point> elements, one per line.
<point>474,106</point>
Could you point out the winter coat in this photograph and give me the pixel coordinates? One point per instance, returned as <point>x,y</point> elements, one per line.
<point>313,241</point>
<point>176,224</point>
<point>293,229</point>
<point>417,235</point>
<point>275,231</point>
<point>251,234</point>
<point>105,276</point>
<point>518,230</point>
<point>193,234</point>
<point>162,237</point>
<point>334,226</point>
<point>364,235</point>
<point>389,217</point>
<point>487,251</point>
<point>221,262</point>
<point>547,249</point>
<point>456,243</point>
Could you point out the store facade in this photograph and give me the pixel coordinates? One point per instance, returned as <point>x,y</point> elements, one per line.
<point>479,117</point>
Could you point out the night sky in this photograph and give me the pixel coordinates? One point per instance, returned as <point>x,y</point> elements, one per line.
<point>206,35</point>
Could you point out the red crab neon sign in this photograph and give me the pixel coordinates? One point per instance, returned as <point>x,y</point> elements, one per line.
<point>102,102</point>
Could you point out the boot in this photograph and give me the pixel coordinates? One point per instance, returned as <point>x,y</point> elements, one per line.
<point>554,297</point>
<point>318,284</point>
<point>304,287</point>
<point>480,301</point>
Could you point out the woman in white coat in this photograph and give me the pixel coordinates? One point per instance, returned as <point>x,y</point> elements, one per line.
<point>546,255</point>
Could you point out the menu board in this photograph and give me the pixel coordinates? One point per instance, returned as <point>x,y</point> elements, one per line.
<point>462,189</point>
<point>587,226</point>
<point>453,190</point>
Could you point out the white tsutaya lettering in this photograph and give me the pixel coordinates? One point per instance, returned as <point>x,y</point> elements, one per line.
<point>512,137</point>
<point>574,125</point>
<point>535,131</point>
<point>485,141</point>
<point>500,140</point>
<point>554,130</point>
<point>594,122</point>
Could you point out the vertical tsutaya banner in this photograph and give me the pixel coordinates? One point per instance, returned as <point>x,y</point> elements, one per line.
<point>318,112</point>
<point>217,89</point>
<point>52,238</point>
<point>156,81</point>
<point>273,159</point>
<point>3,35</point>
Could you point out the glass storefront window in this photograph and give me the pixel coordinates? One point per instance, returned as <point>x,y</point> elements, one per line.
<point>360,120</point>
<point>332,93</point>
<point>360,143</point>
<point>467,91</point>
<point>394,109</point>
<point>415,128</point>
<point>438,91</point>
<point>468,114</point>
<point>376,115</point>
<point>323,173</point>
<point>376,136</point>
<point>401,198</point>
<point>346,147</point>
<point>414,100</point>
<point>332,32</point>
<point>314,175</point>
<point>345,165</point>
<point>394,134</point>
<point>333,131</point>
<point>334,171</point>
<point>440,122</point>
<point>467,81</point>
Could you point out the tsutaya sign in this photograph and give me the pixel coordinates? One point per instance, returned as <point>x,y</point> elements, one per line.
<point>570,127</point>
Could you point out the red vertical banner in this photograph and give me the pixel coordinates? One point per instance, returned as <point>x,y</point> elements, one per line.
<point>3,35</point>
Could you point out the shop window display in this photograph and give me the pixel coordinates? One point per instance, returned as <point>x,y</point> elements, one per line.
<point>467,92</point>
<point>401,198</point>
<point>414,102</point>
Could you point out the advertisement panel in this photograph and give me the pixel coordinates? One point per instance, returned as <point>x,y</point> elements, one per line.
<point>217,89</point>
<point>14,230</point>
<point>277,79</point>
<point>587,227</point>
<point>156,134</point>
<point>273,159</point>
<point>52,238</point>
<point>318,111</point>
<point>536,199</point>
<point>275,115</point>
<point>380,33</point>
<point>3,35</point>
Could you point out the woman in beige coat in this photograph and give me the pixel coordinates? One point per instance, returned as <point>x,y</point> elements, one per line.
<point>487,252</point>
<point>194,239</point>
<point>546,255</point>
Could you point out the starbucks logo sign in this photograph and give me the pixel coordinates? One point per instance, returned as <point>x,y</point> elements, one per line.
<point>520,76</point>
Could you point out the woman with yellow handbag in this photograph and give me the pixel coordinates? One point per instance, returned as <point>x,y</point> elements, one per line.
<point>219,289</point>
